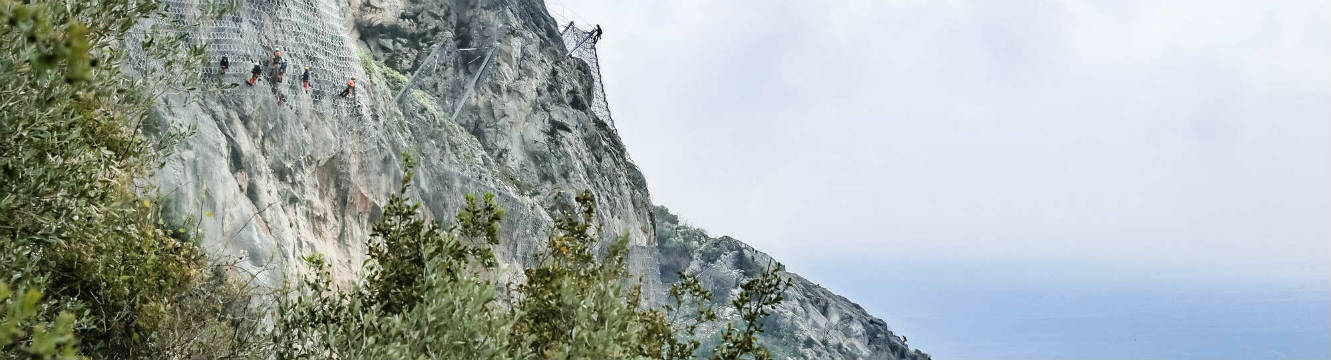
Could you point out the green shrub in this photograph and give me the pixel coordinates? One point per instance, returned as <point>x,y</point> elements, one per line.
<point>573,306</point>
<point>756,298</point>
<point>423,293</point>
<point>401,247</point>
<point>394,80</point>
<point>76,217</point>
<point>22,336</point>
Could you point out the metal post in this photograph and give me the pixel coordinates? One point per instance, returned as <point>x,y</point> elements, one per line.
<point>575,47</point>
<point>570,26</point>
<point>484,65</point>
<point>433,56</point>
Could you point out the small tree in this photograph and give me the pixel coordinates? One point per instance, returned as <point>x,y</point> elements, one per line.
<point>756,299</point>
<point>691,307</point>
<point>573,306</point>
<point>424,292</point>
<point>76,216</point>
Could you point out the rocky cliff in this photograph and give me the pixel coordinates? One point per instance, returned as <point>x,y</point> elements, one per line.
<point>812,322</point>
<point>489,98</point>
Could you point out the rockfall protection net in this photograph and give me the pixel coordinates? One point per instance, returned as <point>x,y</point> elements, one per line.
<point>308,32</point>
<point>575,39</point>
<point>311,33</point>
<point>582,45</point>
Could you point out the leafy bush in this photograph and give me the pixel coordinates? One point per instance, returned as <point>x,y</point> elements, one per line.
<point>573,306</point>
<point>394,80</point>
<point>423,293</point>
<point>754,302</point>
<point>22,336</point>
<point>76,217</point>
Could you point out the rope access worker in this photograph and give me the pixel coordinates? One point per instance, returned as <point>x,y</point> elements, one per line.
<point>596,34</point>
<point>254,73</point>
<point>351,88</point>
<point>305,79</point>
<point>277,57</point>
<point>225,64</point>
<point>282,72</point>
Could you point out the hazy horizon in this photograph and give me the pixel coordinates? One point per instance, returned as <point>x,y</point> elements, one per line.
<point>1070,180</point>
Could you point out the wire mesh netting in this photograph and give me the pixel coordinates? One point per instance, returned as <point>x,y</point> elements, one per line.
<point>312,33</point>
<point>581,44</point>
<point>308,32</point>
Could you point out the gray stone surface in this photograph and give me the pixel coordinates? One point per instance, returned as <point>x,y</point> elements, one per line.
<point>274,182</point>
<point>811,323</point>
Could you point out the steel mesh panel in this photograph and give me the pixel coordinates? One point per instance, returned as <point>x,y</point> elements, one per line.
<point>581,47</point>
<point>309,33</point>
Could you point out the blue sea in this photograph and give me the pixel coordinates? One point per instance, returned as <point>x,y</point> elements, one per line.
<point>995,314</point>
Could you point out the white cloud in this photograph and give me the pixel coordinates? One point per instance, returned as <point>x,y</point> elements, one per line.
<point>1138,136</point>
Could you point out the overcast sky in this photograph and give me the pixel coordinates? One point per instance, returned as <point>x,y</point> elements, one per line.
<point>1148,144</point>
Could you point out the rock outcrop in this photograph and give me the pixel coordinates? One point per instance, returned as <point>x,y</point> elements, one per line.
<point>275,172</point>
<point>812,322</point>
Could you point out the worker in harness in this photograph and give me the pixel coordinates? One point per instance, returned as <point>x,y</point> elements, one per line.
<point>351,88</point>
<point>305,79</point>
<point>226,63</point>
<point>596,34</point>
<point>254,73</point>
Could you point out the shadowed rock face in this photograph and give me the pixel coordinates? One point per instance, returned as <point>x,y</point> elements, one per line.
<point>309,174</point>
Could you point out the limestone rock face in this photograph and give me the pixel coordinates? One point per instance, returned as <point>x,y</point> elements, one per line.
<point>811,323</point>
<point>484,94</point>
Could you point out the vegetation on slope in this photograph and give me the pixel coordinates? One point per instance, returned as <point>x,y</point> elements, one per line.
<point>79,229</point>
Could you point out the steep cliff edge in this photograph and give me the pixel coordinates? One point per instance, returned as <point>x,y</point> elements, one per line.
<point>276,172</point>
